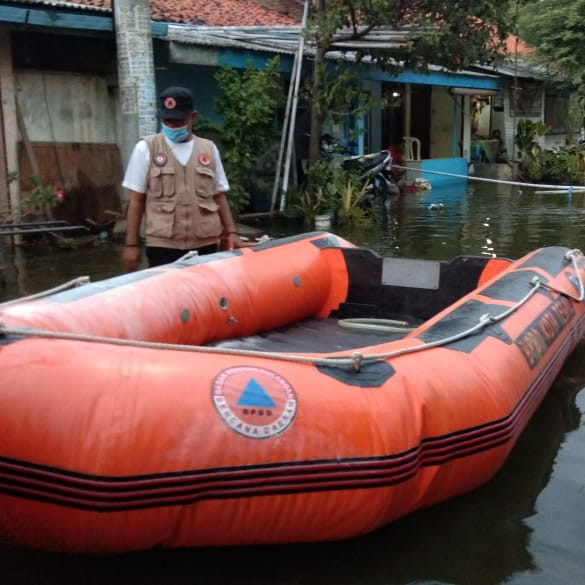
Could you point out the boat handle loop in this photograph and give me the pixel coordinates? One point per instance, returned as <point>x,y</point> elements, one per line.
<point>571,256</point>
<point>79,281</point>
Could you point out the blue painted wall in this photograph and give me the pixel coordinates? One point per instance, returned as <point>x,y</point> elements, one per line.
<point>200,79</point>
<point>450,166</point>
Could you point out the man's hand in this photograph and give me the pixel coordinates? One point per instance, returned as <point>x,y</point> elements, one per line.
<point>131,257</point>
<point>232,241</point>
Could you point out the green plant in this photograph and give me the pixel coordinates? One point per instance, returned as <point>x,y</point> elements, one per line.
<point>247,103</point>
<point>527,132</point>
<point>206,127</point>
<point>323,176</point>
<point>330,188</point>
<point>562,166</point>
<point>43,196</point>
<point>320,192</point>
<point>352,211</point>
<point>311,204</point>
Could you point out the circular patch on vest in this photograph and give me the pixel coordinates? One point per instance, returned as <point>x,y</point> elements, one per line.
<point>204,159</point>
<point>254,402</point>
<point>160,159</point>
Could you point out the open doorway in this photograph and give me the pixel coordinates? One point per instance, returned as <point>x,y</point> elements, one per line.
<point>481,116</point>
<point>394,115</point>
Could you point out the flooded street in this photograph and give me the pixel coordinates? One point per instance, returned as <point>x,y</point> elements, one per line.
<point>524,527</point>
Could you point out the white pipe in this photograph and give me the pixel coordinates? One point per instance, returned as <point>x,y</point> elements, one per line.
<point>283,134</point>
<point>291,130</point>
<point>554,188</point>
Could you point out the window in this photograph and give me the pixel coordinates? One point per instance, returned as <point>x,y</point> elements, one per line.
<point>556,113</point>
<point>525,98</point>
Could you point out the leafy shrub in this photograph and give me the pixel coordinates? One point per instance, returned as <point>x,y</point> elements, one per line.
<point>247,102</point>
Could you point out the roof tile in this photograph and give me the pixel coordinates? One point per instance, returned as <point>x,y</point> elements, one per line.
<point>208,12</point>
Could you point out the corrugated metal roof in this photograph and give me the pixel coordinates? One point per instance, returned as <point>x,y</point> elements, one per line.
<point>282,39</point>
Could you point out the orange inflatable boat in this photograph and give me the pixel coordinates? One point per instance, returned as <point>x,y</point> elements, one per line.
<point>300,390</point>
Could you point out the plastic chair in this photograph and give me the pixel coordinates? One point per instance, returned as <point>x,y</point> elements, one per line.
<point>411,148</point>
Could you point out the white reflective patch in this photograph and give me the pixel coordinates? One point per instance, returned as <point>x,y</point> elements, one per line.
<point>411,273</point>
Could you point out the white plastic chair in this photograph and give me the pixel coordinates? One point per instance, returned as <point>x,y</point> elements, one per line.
<point>411,148</point>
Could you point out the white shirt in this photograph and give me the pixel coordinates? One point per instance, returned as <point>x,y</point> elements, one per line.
<point>139,163</point>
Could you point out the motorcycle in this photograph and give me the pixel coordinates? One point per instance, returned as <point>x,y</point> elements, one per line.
<point>375,169</point>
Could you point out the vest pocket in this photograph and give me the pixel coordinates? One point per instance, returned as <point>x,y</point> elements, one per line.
<point>209,224</point>
<point>160,219</point>
<point>162,182</point>
<point>204,181</point>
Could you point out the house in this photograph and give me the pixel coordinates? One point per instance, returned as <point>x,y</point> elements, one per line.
<point>79,80</point>
<point>67,111</point>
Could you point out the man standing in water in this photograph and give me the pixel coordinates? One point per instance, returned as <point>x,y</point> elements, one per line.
<point>177,181</point>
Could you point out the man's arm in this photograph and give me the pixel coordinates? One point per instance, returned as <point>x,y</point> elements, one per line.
<point>134,213</point>
<point>229,236</point>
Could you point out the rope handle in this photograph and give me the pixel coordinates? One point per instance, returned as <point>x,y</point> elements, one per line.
<point>74,283</point>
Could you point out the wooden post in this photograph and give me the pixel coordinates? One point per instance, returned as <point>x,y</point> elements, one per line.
<point>4,199</point>
<point>10,136</point>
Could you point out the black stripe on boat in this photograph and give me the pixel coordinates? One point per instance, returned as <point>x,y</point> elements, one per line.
<point>111,494</point>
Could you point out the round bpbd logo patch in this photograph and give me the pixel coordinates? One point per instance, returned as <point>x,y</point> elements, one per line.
<point>160,159</point>
<point>254,402</point>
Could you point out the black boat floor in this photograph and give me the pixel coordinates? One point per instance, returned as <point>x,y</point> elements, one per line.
<point>311,336</point>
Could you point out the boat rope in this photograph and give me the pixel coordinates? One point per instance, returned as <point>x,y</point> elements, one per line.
<point>555,188</point>
<point>386,325</point>
<point>75,282</point>
<point>355,360</point>
<point>571,256</point>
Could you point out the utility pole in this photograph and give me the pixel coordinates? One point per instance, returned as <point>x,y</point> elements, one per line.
<point>137,87</point>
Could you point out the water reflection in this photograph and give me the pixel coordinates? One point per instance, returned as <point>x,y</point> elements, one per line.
<point>525,526</point>
<point>475,220</point>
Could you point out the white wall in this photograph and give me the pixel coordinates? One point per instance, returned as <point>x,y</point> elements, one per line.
<point>441,123</point>
<point>510,122</point>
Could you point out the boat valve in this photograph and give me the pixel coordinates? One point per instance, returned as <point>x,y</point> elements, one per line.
<point>487,319</point>
<point>357,359</point>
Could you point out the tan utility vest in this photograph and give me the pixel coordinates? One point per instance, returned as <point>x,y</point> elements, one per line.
<point>181,211</point>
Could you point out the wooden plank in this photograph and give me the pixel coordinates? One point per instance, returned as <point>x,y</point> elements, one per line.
<point>8,91</point>
<point>89,174</point>
<point>4,200</point>
<point>32,159</point>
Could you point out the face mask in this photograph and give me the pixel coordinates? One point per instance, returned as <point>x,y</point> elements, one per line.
<point>175,134</point>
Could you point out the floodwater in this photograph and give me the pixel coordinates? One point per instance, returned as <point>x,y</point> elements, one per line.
<point>524,527</point>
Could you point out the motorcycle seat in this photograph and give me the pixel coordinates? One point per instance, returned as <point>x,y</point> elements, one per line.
<point>364,162</point>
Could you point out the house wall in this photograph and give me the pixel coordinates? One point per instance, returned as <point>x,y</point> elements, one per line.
<point>508,120</point>
<point>200,79</point>
<point>373,139</point>
<point>441,124</point>
<point>67,107</point>
<point>70,121</point>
